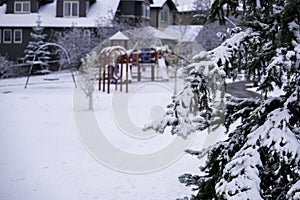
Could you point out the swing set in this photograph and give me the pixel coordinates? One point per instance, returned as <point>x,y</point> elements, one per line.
<point>37,62</point>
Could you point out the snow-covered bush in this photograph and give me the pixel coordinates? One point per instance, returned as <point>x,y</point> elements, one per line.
<point>77,41</point>
<point>200,105</point>
<point>5,67</point>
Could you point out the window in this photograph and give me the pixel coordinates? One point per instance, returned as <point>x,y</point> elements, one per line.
<point>146,11</point>
<point>18,36</point>
<point>87,7</point>
<point>7,36</point>
<point>22,7</point>
<point>164,15</point>
<point>71,9</point>
<point>0,36</point>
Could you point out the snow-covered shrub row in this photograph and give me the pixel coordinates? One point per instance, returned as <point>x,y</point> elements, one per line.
<point>5,67</point>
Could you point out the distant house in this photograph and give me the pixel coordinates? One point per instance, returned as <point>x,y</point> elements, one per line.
<point>191,13</point>
<point>134,11</point>
<point>17,17</point>
<point>162,13</point>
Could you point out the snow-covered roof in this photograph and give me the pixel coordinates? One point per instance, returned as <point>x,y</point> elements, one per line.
<point>99,9</point>
<point>149,32</point>
<point>184,33</point>
<point>158,3</point>
<point>119,36</point>
<point>184,5</point>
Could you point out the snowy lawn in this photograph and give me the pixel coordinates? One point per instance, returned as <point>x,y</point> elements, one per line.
<point>43,157</point>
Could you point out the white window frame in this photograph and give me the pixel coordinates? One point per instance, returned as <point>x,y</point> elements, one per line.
<point>146,10</point>
<point>6,41</point>
<point>87,7</point>
<point>71,8</point>
<point>21,36</point>
<point>22,6</point>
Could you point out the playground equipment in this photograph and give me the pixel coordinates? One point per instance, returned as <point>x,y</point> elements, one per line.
<point>38,62</point>
<point>113,61</point>
<point>118,66</point>
<point>144,58</point>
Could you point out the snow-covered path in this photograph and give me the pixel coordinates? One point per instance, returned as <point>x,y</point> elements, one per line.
<point>42,156</point>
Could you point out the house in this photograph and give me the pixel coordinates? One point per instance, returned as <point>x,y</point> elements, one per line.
<point>162,13</point>
<point>134,12</point>
<point>17,17</point>
<point>192,12</point>
<point>196,12</point>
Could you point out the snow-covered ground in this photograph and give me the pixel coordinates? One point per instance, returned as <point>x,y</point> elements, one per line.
<point>44,156</point>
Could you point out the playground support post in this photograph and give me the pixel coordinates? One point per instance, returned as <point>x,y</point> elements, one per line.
<point>108,74</point>
<point>121,78</point>
<point>100,71</point>
<point>138,67</point>
<point>127,75</point>
<point>103,81</point>
<point>152,72</point>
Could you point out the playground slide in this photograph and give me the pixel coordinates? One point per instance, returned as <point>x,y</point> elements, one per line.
<point>162,69</point>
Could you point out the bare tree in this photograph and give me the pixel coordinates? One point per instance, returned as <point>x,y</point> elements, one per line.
<point>201,5</point>
<point>77,41</point>
<point>87,77</point>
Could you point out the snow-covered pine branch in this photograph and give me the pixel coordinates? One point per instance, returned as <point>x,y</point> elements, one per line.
<point>38,39</point>
<point>200,104</point>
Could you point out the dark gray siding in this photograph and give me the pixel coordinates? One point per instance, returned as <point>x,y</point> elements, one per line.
<point>33,3</point>
<point>14,51</point>
<point>154,13</point>
<point>10,6</point>
<point>133,8</point>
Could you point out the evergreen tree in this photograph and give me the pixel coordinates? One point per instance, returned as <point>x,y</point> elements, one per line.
<point>261,157</point>
<point>200,105</point>
<point>38,38</point>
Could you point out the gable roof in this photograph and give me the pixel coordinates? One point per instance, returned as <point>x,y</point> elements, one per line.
<point>161,3</point>
<point>119,36</point>
<point>158,3</point>
<point>98,10</point>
